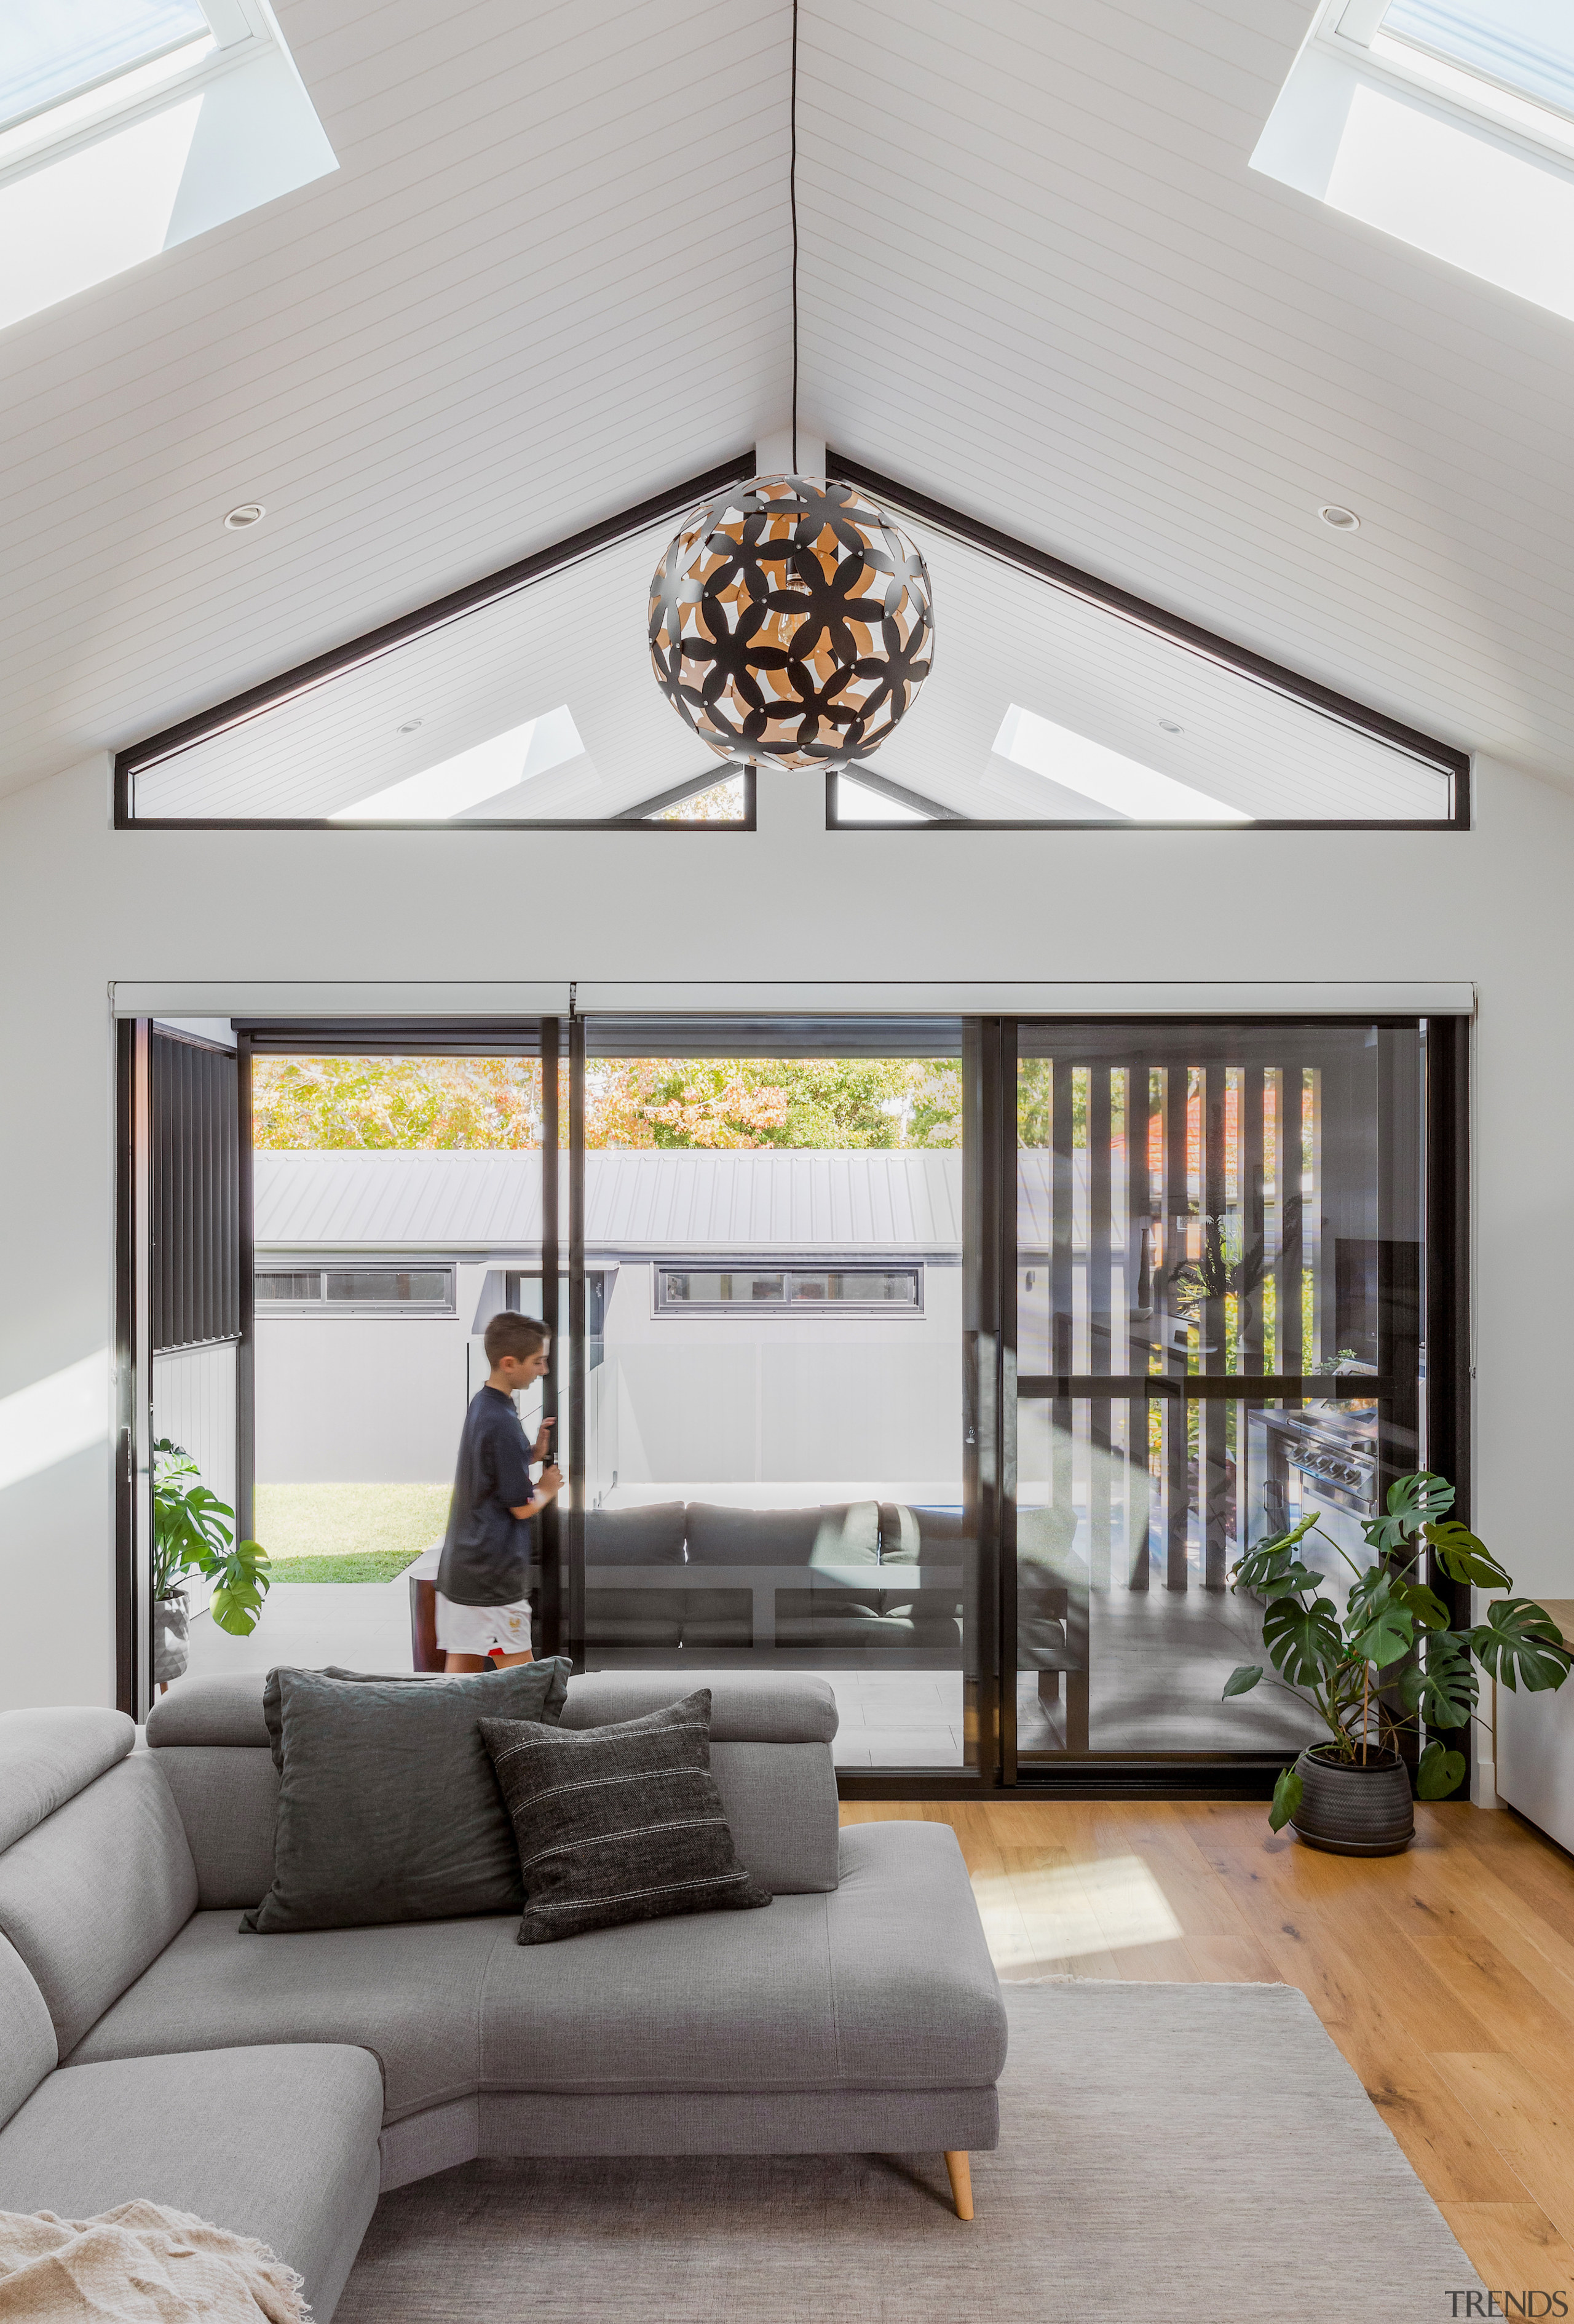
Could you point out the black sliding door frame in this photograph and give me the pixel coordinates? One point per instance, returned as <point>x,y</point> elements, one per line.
<point>1422,1388</point>
<point>344,1036</point>
<point>1425,1389</point>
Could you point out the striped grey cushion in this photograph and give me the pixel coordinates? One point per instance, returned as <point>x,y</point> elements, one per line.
<point>618,1823</point>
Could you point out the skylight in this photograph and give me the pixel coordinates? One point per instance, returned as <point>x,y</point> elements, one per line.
<point>50,48</point>
<point>1137,793</point>
<point>1448,123</point>
<point>1524,44</point>
<point>128,126</point>
<point>455,786</point>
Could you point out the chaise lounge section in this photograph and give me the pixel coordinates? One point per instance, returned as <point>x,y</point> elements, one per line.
<point>276,2085</point>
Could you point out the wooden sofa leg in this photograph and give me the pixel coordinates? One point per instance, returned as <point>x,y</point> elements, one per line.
<point>960,2173</point>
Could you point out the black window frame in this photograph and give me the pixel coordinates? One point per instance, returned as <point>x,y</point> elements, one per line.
<point>1038,563</point>
<point>356,1310</point>
<point>850,1310</point>
<point>540,565</point>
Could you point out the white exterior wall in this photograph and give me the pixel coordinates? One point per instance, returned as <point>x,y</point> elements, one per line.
<point>741,1399</point>
<point>399,907</point>
<point>365,1398</point>
<point>194,1405</point>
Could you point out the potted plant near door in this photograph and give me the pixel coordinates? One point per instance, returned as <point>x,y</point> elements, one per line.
<point>1391,1657</point>
<point>194,1532</point>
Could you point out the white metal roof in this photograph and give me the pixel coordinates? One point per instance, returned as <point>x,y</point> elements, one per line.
<point>688,1201</point>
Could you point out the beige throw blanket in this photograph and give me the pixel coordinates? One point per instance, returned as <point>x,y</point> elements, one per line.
<point>139,2264</point>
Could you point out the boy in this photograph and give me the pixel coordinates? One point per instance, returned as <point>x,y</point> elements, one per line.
<point>484,1572</point>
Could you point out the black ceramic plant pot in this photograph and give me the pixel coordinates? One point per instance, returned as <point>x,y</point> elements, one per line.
<point>1354,1809</point>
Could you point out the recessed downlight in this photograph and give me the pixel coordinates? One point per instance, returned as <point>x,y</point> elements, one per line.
<point>409,727</point>
<point>1172,725</point>
<point>1343,520</point>
<point>248,512</point>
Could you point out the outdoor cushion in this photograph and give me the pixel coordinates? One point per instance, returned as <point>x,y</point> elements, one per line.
<point>388,1809</point>
<point>48,1756</point>
<point>886,1984</point>
<point>652,1535</point>
<point>280,2144</point>
<point>94,1894</point>
<point>845,1533</point>
<point>618,1823</point>
<point>411,1996</point>
<point>27,2037</point>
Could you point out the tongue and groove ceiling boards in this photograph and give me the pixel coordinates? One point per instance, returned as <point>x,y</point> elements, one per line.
<point>550,277</point>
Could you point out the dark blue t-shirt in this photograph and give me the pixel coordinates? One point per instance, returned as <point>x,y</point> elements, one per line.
<point>486,1554</point>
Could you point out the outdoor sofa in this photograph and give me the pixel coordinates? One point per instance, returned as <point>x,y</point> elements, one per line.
<point>856,1584</point>
<point>275,2085</point>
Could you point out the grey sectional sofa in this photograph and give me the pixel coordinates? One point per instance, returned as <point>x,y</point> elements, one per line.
<point>276,2085</point>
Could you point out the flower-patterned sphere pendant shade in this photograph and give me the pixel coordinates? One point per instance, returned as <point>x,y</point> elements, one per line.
<point>791,624</point>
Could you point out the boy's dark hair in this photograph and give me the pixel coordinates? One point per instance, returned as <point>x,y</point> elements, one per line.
<point>509,1335</point>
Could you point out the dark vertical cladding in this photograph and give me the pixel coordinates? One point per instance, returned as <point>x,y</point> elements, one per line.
<point>1177,1216</point>
<point>126,1369</point>
<point>552,1515</point>
<point>1213,1463</point>
<point>572,1639</point>
<point>990,1591</point>
<point>195,1273</point>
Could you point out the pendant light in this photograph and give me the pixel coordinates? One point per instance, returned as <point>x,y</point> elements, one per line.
<point>791,620</point>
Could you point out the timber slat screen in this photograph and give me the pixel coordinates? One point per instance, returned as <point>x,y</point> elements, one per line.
<point>194,1229</point>
<point>1215,1329</point>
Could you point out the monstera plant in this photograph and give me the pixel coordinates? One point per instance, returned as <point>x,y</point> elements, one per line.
<point>1392,1657</point>
<point>194,1532</point>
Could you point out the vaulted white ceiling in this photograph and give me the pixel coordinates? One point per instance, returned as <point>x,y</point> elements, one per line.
<point>550,276</point>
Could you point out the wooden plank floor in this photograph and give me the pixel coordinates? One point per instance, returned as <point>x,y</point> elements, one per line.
<point>1446,1975</point>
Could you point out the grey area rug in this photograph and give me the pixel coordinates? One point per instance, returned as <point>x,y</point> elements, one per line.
<point>1169,2154</point>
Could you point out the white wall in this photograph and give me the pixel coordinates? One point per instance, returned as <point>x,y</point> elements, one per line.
<point>365,1398</point>
<point>788,902</point>
<point>742,1400</point>
<point>194,1405</point>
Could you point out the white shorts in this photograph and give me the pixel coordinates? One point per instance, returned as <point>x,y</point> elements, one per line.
<point>479,1629</point>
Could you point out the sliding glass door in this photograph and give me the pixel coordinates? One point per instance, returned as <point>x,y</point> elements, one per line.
<point>956,1361</point>
<point>1217,1329</point>
<point>769,1252</point>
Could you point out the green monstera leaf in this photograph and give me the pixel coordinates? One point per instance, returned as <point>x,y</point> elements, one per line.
<point>1288,1794</point>
<point>1439,1771</point>
<point>1241,1681</point>
<point>1441,1683</point>
<point>1463,1557</point>
<point>1521,1645</point>
<point>1412,1502</point>
<point>1304,1643</point>
<point>1425,1604</point>
<point>1266,1566</point>
<point>1378,1623</point>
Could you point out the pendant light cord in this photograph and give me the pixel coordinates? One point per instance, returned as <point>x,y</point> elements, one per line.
<point>793,199</point>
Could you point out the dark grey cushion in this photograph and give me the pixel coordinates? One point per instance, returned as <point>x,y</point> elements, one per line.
<point>618,1823</point>
<point>388,1809</point>
<point>845,1533</point>
<point>650,1535</point>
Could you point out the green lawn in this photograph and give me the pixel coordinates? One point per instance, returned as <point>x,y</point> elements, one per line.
<point>347,1533</point>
